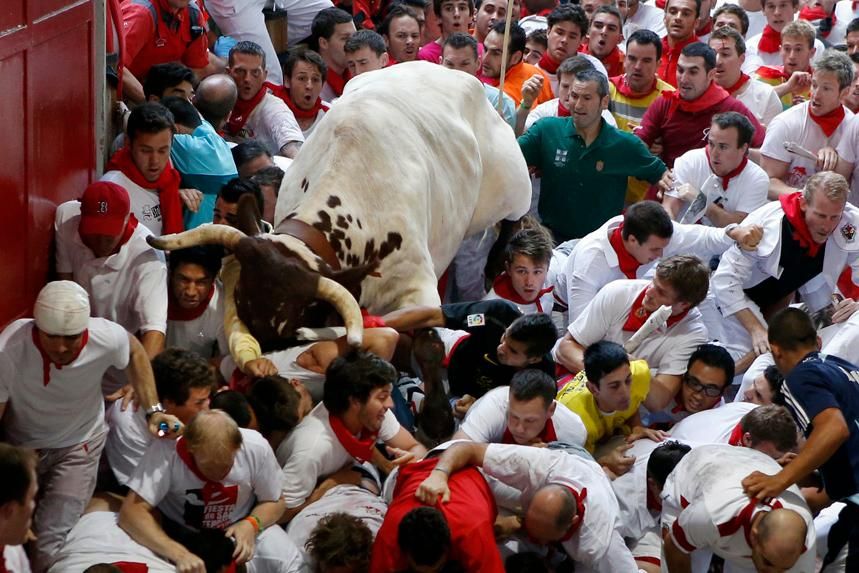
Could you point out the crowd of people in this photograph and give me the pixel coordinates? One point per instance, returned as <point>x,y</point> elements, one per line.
<point>654,370</point>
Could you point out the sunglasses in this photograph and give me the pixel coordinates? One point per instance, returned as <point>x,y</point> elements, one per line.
<point>696,386</point>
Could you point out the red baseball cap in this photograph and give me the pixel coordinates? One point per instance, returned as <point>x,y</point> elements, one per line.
<point>104,207</point>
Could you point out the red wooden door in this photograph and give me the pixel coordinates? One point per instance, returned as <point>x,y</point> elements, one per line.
<point>47,144</point>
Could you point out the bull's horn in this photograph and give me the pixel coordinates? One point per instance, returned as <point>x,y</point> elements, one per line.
<point>342,300</point>
<point>223,235</point>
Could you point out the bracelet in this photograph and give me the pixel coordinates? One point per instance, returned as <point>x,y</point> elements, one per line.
<point>444,471</point>
<point>255,522</point>
<point>525,107</point>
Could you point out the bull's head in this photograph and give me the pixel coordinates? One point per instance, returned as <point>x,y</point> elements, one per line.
<point>273,289</point>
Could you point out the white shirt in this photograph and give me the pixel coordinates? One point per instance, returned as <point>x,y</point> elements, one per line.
<point>129,288</point>
<point>757,20</point>
<point>705,492</point>
<point>550,109</point>
<point>712,426</point>
<point>486,420</point>
<point>647,17</point>
<point>127,440</point>
<point>16,559</point>
<point>163,480</point>
<point>746,191</point>
<point>204,334</point>
<point>844,13</point>
<point>795,125</point>
<point>273,124</point>
<point>761,100</point>
<point>666,350</point>
<point>597,544</point>
<point>848,150</point>
<point>145,203</point>
<point>312,451</point>
<point>69,409</point>
<point>756,58</point>
<point>593,263</point>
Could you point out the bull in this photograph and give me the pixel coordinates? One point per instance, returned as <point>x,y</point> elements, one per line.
<point>407,163</point>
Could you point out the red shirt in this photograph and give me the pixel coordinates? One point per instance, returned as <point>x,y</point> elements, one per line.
<point>470,516</point>
<point>670,56</point>
<point>172,40</point>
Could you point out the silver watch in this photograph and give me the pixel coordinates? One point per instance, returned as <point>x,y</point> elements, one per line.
<point>154,409</point>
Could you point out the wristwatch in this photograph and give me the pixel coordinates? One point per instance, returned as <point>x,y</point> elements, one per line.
<point>154,409</point>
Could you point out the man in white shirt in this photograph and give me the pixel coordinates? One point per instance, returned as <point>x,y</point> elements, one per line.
<point>51,368</point>
<point>184,383</point>
<point>623,307</point>
<point>101,246</point>
<point>732,185</point>
<point>705,507</point>
<point>764,49</point>
<point>17,501</point>
<point>752,11</point>
<point>215,476</point>
<point>523,413</point>
<point>565,498</point>
<point>258,113</point>
<point>355,412</point>
<point>759,97</point>
<point>641,16</point>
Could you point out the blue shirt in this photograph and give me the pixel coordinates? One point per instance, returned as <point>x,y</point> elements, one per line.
<point>817,383</point>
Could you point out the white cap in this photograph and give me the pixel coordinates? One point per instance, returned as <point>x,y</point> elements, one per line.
<point>62,308</point>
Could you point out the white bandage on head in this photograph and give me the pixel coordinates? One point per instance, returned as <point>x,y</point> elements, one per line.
<point>62,308</point>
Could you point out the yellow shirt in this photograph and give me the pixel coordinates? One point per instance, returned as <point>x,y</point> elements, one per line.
<point>576,396</point>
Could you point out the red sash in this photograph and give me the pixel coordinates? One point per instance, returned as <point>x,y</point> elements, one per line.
<point>359,448</point>
<point>46,361</point>
<point>547,435</point>
<point>770,41</point>
<point>772,73</point>
<point>744,78</point>
<point>176,312</point>
<point>828,122</point>
<point>131,567</point>
<point>243,109</point>
<point>623,88</point>
<point>580,511</point>
<point>212,490</point>
<point>818,13</point>
<point>790,206</point>
<point>736,437</point>
<point>548,63</point>
<point>628,264</point>
<point>503,287</point>
<point>562,110</point>
<point>727,178</point>
<point>167,187</point>
<point>638,315</point>
<point>299,112</point>
<point>336,81</point>
<point>712,97</point>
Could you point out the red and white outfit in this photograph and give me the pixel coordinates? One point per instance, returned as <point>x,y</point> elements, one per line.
<point>313,450</point>
<point>200,330</point>
<point>265,118</point>
<point>145,202</point>
<point>168,478</point>
<point>554,108</point>
<point>759,97</point>
<point>317,112</point>
<point>502,288</point>
<point>848,150</point>
<point>486,421</point>
<point>599,258</point>
<point>59,411</point>
<point>596,544</point>
<point>845,12</point>
<point>770,54</point>
<point>705,507</point>
<point>714,426</point>
<point>797,125</point>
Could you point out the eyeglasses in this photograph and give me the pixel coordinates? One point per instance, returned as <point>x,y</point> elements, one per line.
<point>696,386</point>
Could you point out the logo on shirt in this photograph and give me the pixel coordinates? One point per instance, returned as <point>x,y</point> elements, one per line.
<point>211,506</point>
<point>797,176</point>
<point>848,231</point>
<point>151,213</point>
<point>561,157</point>
<point>600,165</point>
<point>475,320</point>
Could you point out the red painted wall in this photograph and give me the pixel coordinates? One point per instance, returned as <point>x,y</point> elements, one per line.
<point>47,144</point>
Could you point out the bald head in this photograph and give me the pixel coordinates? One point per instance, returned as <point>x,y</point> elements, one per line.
<point>778,539</point>
<point>551,513</point>
<point>215,97</point>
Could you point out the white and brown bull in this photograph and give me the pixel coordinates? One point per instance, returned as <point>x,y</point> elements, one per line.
<point>407,163</point>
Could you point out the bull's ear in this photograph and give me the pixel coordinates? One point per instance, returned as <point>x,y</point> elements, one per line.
<point>248,215</point>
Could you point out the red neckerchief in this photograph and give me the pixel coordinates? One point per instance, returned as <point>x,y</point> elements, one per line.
<point>828,122</point>
<point>176,312</point>
<point>744,519</point>
<point>744,78</point>
<point>580,511</point>
<point>714,95</point>
<point>359,448</point>
<point>726,180</point>
<point>167,187</point>
<point>562,110</point>
<point>336,81</point>
<point>548,63</point>
<point>628,264</point>
<point>770,41</point>
<point>790,206</point>
<point>705,30</point>
<point>638,315</point>
<point>614,62</point>
<point>211,489</point>
<point>846,285</point>
<point>3,560</point>
<point>503,287</point>
<point>669,53</point>
<point>679,405</point>
<point>299,113</point>
<point>772,73</point>
<point>660,4</point>
<point>818,13</point>
<point>653,502</point>
<point>243,108</point>
<point>623,88</point>
<point>736,437</point>
<point>46,361</point>
<point>546,436</point>
<point>131,567</point>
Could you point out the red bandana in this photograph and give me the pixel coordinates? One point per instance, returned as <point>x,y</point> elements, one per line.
<point>562,110</point>
<point>770,40</point>
<point>710,98</point>
<point>727,178</point>
<point>613,62</point>
<point>176,312</point>
<point>705,30</point>
<point>548,63</point>
<point>624,89</point>
<point>628,264</point>
<point>790,206</point>
<point>546,436</point>
<point>3,557</point>
<point>359,448</point>
<point>744,78</point>
<point>638,315</point>
<point>243,108</point>
<point>503,287</point>
<point>818,13</point>
<point>212,490</point>
<point>580,511</point>
<point>772,73</point>
<point>336,81</point>
<point>653,502</point>
<point>46,361</point>
<point>828,122</point>
<point>298,112</point>
<point>846,285</point>
<point>736,437</point>
<point>131,567</point>
<point>167,187</point>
